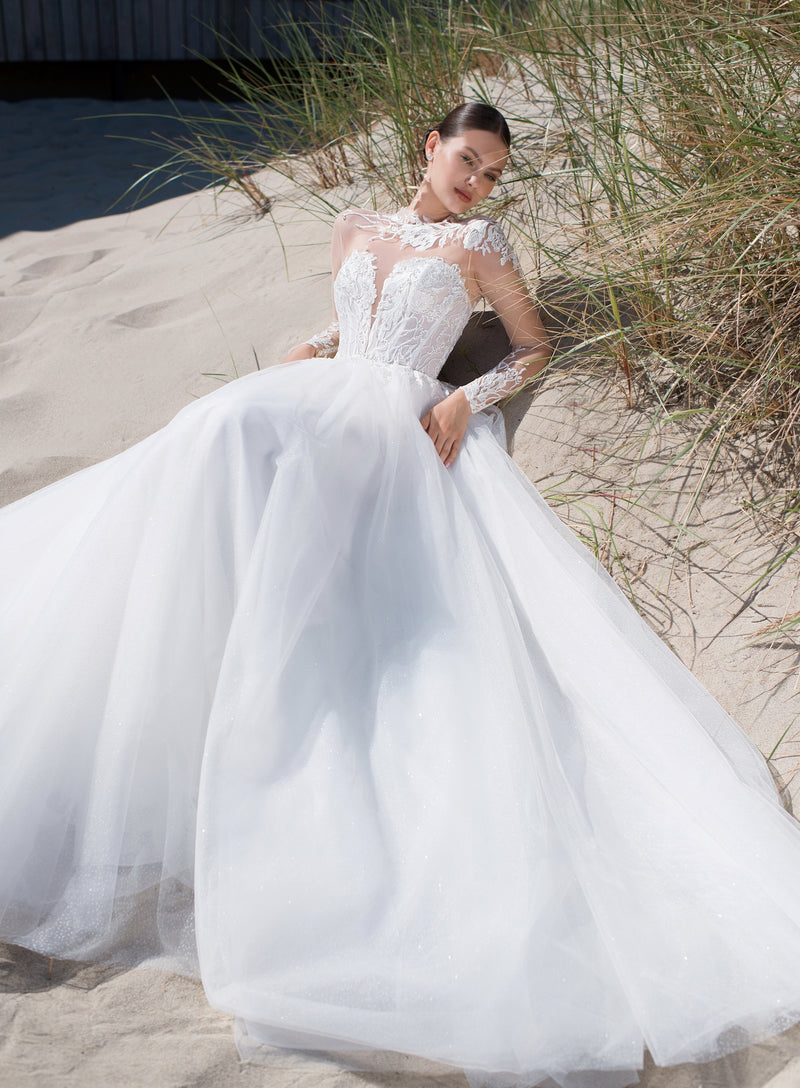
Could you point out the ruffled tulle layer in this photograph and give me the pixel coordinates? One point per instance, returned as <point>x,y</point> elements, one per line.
<point>435,786</point>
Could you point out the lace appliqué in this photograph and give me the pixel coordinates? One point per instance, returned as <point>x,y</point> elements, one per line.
<point>354,293</point>
<point>423,308</point>
<point>325,343</point>
<point>498,383</point>
<point>486,236</point>
<point>483,235</point>
<point>424,301</point>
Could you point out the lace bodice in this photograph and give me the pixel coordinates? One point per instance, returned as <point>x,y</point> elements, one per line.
<point>421,313</point>
<point>404,288</point>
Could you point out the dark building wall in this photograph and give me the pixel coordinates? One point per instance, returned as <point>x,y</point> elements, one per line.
<point>142,30</point>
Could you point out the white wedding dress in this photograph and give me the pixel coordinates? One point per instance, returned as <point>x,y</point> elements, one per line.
<point>435,786</point>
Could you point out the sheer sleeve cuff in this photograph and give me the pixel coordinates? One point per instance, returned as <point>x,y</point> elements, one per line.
<point>325,343</point>
<point>506,378</point>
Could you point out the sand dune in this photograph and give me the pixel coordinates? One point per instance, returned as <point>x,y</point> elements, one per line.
<point>109,324</point>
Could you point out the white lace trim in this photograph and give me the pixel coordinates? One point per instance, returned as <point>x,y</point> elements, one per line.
<point>355,292</point>
<point>424,303</point>
<point>419,232</point>
<point>325,343</point>
<point>498,383</point>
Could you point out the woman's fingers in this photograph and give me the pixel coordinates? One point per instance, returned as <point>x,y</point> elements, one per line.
<point>452,453</point>
<point>442,443</point>
<point>446,447</point>
<point>445,424</point>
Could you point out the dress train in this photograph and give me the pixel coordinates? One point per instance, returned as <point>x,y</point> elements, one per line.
<point>386,734</point>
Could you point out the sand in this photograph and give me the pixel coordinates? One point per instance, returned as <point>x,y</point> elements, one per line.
<point>111,322</point>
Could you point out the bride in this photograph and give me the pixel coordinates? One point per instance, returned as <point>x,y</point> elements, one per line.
<point>329,706</point>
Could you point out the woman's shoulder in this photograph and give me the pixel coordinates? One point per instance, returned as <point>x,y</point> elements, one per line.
<point>485,235</point>
<point>349,218</point>
<point>348,223</point>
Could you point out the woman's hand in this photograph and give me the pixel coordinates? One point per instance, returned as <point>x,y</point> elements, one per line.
<point>446,423</point>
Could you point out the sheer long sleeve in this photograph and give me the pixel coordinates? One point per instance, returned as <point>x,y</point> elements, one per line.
<point>325,343</point>
<point>497,273</point>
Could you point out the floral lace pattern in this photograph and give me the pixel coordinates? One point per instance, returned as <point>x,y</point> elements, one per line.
<point>498,383</point>
<point>483,235</point>
<point>410,331</point>
<point>421,312</point>
<point>326,343</point>
<point>354,293</point>
<point>410,310</point>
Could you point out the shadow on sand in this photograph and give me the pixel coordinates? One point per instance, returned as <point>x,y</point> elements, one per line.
<point>574,313</point>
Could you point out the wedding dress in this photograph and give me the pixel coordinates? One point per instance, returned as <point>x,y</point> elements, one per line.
<point>435,786</point>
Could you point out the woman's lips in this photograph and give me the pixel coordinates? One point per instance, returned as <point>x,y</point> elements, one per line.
<point>463,196</point>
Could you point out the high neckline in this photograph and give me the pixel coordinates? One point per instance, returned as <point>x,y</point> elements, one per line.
<point>408,215</point>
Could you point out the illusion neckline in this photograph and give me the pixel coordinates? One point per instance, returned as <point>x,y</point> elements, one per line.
<point>372,261</point>
<point>406,215</point>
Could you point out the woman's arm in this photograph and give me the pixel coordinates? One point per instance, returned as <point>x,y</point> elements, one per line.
<point>321,345</point>
<point>497,274</point>
<point>501,284</point>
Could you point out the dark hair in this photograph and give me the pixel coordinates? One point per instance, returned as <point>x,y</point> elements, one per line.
<point>472,115</point>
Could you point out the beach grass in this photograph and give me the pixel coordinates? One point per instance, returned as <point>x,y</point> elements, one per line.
<point>652,198</point>
<point>652,193</point>
<point>655,173</point>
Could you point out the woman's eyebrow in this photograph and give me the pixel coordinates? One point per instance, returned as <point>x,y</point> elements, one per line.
<point>475,155</point>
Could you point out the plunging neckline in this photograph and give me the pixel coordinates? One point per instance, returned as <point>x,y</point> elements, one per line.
<point>378,298</point>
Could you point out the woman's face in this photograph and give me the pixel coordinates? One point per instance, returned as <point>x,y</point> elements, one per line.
<point>463,169</point>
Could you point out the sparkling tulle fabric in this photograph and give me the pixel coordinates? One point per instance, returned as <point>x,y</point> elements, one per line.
<point>433,785</point>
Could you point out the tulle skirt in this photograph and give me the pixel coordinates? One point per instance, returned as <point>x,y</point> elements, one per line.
<point>379,748</point>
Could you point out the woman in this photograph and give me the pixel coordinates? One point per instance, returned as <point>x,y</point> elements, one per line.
<point>436,787</point>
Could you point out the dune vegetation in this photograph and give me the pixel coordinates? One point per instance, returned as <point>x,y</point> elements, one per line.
<point>653,193</point>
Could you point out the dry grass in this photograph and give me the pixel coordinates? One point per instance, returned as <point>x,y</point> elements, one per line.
<point>653,191</point>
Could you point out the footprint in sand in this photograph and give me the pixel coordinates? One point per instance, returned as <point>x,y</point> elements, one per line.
<point>157,313</point>
<point>67,264</point>
<point>10,360</point>
<point>16,407</point>
<point>16,314</point>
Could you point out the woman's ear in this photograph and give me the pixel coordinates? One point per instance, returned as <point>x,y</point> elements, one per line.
<point>432,142</point>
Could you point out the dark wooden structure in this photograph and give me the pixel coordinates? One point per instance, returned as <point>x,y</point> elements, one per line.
<point>143,30</point>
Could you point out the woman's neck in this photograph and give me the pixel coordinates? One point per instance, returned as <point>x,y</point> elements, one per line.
<point>411,212</point>
<point>426,205</point>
